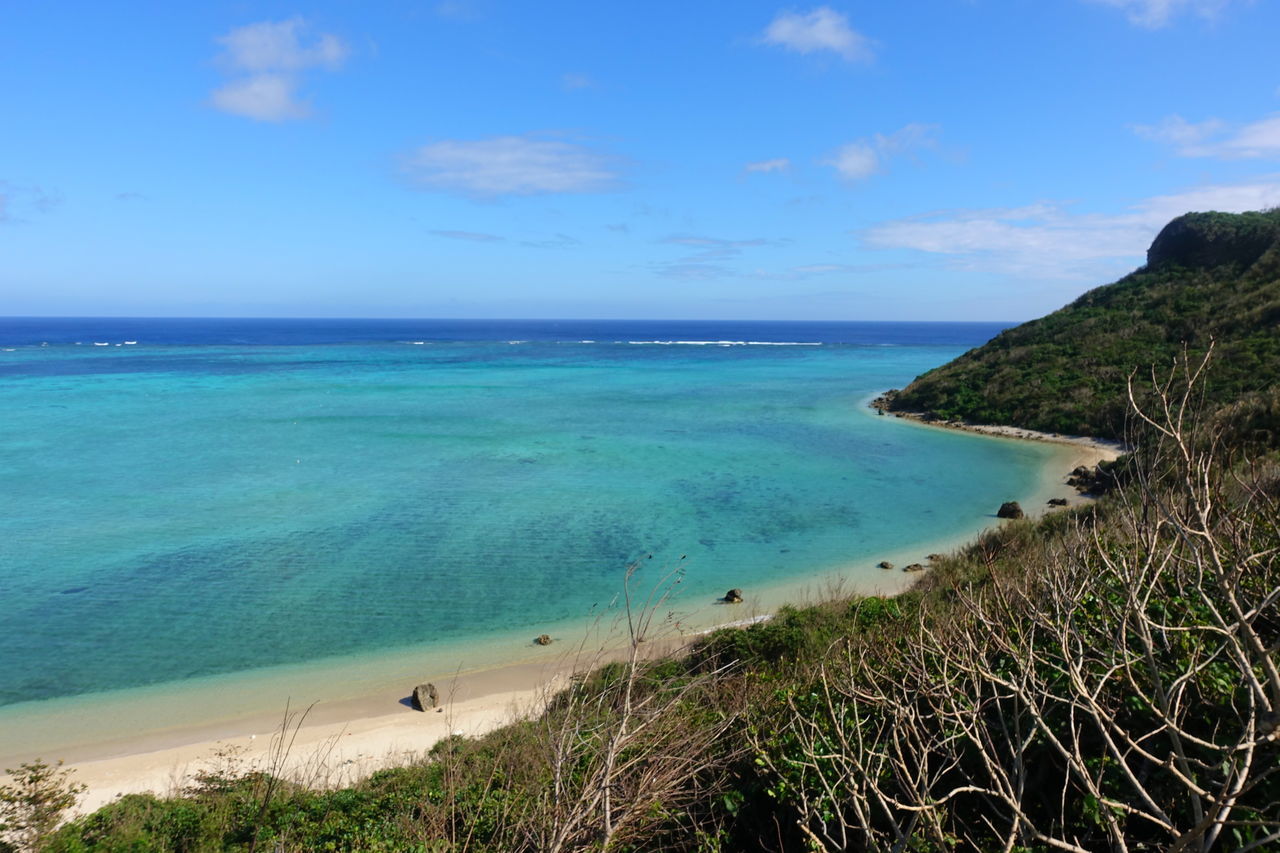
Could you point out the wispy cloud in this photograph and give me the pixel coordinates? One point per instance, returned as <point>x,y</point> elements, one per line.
<point>1158,13</point>
<point>1047,241</point>
<point>461,10</point>
<point>693,272</point>
<point>822,30</point>
<point>709,256</point>
<point>1175,130</point>
<point>576,81</point>
<point>716,248</point>
<point>18,201</point>
<point>778,164</point>
<point>510,165</point>
<point>863,158</point>
<point>1216,138</point>
<point>803,272</point>
<point>267,60</point>
<point>470,236</point>
<point>556,241</point>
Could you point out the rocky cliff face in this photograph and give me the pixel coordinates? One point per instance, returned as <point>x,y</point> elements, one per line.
<point>1210,240</point>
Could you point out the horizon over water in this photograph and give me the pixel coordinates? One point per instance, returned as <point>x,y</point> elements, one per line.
<point>187,498</point>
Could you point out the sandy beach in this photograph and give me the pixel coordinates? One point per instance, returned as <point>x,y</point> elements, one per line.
<point>338,742</point>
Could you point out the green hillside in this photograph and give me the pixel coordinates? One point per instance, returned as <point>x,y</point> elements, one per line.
<point>1209,276</point>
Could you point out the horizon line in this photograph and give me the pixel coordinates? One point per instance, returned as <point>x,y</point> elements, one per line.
<point>464,319</point>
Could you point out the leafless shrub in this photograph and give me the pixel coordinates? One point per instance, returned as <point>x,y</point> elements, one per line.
<point>1124,695</point>
<point>612,758</point>
<point>622,751</point>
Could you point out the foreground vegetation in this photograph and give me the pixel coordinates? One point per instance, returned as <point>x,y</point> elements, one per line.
<point>1209,277</point>
<point>1103,679</point>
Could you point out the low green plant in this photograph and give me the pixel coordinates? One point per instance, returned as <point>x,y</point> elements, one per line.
<point>33,803</point>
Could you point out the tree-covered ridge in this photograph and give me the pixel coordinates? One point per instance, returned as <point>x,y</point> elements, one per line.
<point>1209,277</point>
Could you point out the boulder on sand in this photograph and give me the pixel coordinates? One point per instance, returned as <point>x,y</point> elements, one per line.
<point>884,564</point>
<point>1057,501</point>
<point>543,640</point>
<point>1010,509</point>
<point>733,596</point>
<point>425,696</point>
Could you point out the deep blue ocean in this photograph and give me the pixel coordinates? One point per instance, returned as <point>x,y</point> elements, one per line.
<point>183,498</point>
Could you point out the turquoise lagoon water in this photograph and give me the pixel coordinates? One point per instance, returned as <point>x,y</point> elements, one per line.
<point>223,496</point>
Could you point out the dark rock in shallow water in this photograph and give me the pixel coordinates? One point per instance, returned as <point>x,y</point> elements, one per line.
<point>733,596</point>
<point>884,564</point>
<point>543,640</point>
<point>425,696</point>
<point>884,401</point>
<point>1010,509</point>
<point>914,567</point>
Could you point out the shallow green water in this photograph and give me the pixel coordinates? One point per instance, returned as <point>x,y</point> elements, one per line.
<point>182,511</point>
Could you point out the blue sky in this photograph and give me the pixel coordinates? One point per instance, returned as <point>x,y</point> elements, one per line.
<point>938,159</point>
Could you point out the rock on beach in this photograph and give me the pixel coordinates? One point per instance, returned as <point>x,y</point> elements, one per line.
<point>425,696</point>
<point>1010,509</point>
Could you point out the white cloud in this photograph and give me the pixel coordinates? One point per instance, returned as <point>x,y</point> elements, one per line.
<point>510,165</point>
<point>1229,198</point>
<point>823,29</point>
<point>278,46</point>
<point>265,97</point>
<point>855,161</point>
<point>1047,241</point>
<point>863,158</point>
<point>1175,130</point>
<point>270,56</point>
<point>1260,139</point>
<point>778,164</point>
<point>1215,138</point>
<point>1158,13</point>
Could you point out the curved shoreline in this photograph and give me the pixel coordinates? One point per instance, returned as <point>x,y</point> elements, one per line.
<point>1109,448</point>
<point>343,740</point>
